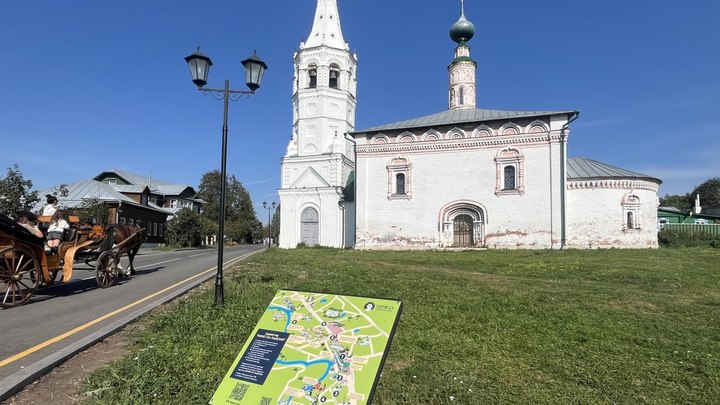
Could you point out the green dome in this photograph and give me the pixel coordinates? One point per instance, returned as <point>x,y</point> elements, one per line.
<point>462,30</point>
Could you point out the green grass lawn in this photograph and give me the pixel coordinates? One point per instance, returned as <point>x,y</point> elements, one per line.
<point>478,327</point>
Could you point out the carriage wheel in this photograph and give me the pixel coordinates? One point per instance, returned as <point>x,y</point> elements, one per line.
<point>16,285</point>
<point>106,273</point>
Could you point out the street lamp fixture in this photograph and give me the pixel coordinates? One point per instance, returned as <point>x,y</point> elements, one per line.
<point>269,208</point>
<point>199,65</point>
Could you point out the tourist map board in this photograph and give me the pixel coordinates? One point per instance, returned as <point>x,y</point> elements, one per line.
<point>312,349</point>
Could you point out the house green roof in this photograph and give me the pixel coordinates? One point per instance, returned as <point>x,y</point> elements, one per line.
<point>461,116</point>
<point>579,168</point>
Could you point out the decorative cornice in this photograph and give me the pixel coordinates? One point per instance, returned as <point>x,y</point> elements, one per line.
<point>456,144</point>
<point>611,184</point>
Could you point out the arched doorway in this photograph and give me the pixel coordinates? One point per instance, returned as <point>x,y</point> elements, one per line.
<point>462,224</point>
<point>309,227</point>
<point>463,231</point>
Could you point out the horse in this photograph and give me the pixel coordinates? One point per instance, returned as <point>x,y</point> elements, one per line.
<point>120,233</point>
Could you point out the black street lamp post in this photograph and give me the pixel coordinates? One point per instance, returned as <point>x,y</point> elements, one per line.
<point>269,207</point>
<point>199,69</point>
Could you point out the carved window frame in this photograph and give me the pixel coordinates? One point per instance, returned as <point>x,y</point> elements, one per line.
<point>399,165</point>
<point>631,212</point>
<point>514,158</point>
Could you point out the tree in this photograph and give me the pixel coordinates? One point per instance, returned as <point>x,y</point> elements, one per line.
<point>184,229</point>
<point>94,211</point>
<point>681,202</point>
<point>16,193</point>
<point>241,223</point>
<point>709,192</point>
<point>275,225</point>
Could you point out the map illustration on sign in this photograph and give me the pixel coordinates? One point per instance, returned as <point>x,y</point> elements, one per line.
<point>311,349</point>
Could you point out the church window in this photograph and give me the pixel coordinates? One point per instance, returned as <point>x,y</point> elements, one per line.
<point>509,175</point>
<point>312,76</point>
<point>334,76</point>
<point>461,95</point>
<point>630,220</point>
<point>510,172</point>
<point>400,183</point>
<point>399,179</point>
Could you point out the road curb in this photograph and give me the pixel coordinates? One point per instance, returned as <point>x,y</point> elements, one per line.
<point>16,382</point>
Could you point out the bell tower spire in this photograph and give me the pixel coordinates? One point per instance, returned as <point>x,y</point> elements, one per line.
<point>326,26</point>
<point>462,68</point>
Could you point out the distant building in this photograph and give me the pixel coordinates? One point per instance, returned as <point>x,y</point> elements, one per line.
<point>170,196</point>
<point>132,199</point>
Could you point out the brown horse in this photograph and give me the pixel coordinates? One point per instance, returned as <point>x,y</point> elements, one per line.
<point>133,237</point>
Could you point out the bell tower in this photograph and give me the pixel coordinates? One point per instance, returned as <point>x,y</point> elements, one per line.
<point>462,68</point>
<point>319,158</point>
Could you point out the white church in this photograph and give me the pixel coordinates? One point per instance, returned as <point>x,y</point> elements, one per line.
<point>460,178</point>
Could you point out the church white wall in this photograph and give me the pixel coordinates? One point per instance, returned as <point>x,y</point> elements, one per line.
<point>326,202</point>
<point>530,220</point>
<point>596,216</point>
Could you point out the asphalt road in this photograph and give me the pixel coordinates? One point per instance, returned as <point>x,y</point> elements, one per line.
<point>67,317</point>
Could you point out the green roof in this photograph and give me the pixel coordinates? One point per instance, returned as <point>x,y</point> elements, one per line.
<point>461,116</point>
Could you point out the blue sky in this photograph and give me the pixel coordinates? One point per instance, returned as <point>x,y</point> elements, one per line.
<point>92,85</point>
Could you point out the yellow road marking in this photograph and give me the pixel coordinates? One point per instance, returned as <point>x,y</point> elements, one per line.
<point>102,318</point>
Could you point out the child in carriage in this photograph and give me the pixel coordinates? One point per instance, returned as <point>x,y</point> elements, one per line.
<point>58,224</point>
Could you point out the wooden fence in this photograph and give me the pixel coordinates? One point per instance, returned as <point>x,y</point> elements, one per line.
<point>712,229</point>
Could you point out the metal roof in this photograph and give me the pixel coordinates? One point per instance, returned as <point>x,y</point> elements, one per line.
<point>581,168</point>
<point>85,190</point>
<point>170,189</point>
<point>130,188</point>
<point>459,116</point>
<point>155,185</point>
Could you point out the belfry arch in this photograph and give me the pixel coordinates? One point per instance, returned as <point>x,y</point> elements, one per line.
<point>462,224</point>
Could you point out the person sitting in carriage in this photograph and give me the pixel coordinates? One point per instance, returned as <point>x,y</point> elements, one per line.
<point>58,224</point>
<point>28,220</point>
<point>51,205</point>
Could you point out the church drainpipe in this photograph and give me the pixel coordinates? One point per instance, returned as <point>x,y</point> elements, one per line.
<point>354,143</point>
<point>563,163</point>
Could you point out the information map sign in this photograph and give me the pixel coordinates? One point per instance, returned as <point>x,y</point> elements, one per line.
<point>312,349</point>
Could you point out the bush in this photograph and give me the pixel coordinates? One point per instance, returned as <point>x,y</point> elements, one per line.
<point>677,239</point>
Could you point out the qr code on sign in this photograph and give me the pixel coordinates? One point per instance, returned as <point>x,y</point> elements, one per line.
<point>239,391</point>
<point>264,401</point>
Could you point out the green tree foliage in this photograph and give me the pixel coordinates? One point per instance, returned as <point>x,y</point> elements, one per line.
<point>241,223</point>
<point>16,192</point>
<point>93,211</point>
<point>681,202</point>
<point>275,225</point>
<point>709,192</point>
<point>184,229</point>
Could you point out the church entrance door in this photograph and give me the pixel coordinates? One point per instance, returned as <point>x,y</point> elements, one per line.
<point>463,231</point>
<point>309,227</point>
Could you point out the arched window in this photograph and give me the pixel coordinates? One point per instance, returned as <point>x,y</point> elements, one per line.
<point>400,183</point>
<point>461,96</point>
<point>631,210</point>
<point>312,76</point>
<point>509,178</point>
<point>334,76</point>
<point>510,172</point>
<point>399,179</point>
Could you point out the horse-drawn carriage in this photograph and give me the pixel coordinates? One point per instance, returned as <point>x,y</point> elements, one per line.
<point>25,264</point>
